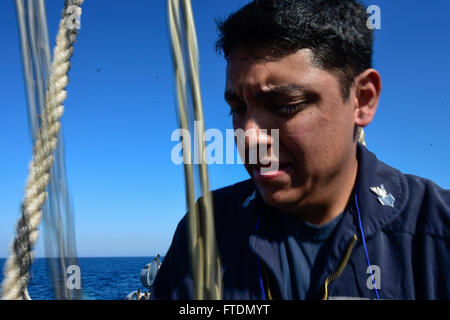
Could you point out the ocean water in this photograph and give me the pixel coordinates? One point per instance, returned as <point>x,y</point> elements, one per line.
<point>101,278</point>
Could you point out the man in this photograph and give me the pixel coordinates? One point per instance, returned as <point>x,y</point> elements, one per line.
<point>330,221</point>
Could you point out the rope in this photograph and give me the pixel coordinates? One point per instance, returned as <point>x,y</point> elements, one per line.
<point>361,136</point>
<point>205,260</point>
<point>16,271</point>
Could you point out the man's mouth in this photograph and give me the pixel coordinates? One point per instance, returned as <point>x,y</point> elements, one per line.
<point>270,171</point>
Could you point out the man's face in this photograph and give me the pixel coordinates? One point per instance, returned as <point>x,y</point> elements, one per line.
<point>316,126</point>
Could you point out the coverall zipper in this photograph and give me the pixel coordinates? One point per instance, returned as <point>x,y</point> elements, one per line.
<point>341,267</point>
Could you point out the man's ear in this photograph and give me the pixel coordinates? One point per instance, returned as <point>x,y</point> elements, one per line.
<point>367,95</point>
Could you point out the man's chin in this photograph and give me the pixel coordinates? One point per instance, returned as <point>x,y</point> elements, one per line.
<point>282,200</point>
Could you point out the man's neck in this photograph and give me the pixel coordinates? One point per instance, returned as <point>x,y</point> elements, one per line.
<point>329,201</point>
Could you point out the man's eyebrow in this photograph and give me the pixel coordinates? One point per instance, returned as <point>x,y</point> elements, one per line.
<point>229,96</point>
<point>282,90</point>
<point>273,92</point>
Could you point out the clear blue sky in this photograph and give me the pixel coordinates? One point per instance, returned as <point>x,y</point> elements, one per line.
<point>127,194</point>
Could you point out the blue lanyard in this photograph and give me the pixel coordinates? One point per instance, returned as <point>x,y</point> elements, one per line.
<point>364,245</point>
<point>261,284</point>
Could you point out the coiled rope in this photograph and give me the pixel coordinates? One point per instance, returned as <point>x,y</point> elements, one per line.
<point>361,136</point>
<point>16,271</point>
<point>205,259</point>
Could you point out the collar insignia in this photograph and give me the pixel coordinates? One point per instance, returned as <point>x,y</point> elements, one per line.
<point>385,198</point>
<point>249,199</point>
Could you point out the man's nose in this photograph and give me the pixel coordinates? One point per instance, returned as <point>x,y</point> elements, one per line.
<point>257,140</point>
<point>255,129</point>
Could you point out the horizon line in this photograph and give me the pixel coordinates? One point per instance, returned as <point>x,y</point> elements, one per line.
<point>42,257</point>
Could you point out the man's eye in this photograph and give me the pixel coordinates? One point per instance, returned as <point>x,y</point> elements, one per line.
<point>237,111</point>
<point>288,109</point>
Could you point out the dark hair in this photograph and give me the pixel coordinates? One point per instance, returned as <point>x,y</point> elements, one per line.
<point>334,30</point>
